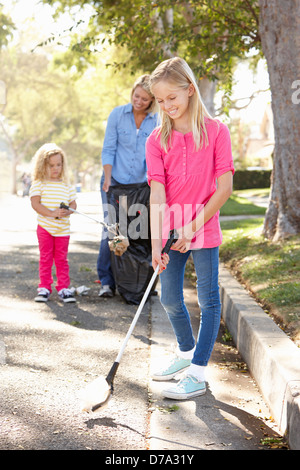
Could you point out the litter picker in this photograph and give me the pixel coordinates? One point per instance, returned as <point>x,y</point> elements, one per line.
<point>97,394</point>
<point>118,244</point>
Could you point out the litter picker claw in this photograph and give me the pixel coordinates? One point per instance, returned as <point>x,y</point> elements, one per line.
<point>118,244</point>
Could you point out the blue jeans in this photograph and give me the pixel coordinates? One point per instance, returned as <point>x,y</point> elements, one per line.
<point>206,263</point>
<point>104,270</point>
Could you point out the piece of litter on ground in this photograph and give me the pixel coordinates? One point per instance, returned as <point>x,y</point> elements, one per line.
<point>81,290</point>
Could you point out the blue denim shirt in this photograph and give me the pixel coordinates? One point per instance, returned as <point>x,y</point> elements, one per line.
<point>124,147</point>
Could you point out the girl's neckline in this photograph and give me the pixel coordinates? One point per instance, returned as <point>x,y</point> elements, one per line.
<point>182,133</point>
<point>53,181</point>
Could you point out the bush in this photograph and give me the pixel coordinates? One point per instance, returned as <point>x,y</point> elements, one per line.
<point>249,179</point>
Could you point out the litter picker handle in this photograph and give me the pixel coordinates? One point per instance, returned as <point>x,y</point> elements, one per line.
<point>108,227</point>
<point>172,239</point>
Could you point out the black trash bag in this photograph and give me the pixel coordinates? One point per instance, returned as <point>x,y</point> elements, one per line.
<point>129,207</point>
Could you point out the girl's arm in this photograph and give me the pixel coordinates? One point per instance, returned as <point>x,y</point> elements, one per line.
<point>157,202</point>
<point>42,210</point>
<point>73,205</point>
<point>220,196</point>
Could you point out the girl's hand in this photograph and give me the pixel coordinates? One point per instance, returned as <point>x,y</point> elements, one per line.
<point>160,260</point>
<point>63,213</point>
<point>185,237</point>
<point>59,213</point>
<point>55,213</point>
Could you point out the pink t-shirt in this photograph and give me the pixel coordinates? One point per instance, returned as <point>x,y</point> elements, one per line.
<point>190,178</point>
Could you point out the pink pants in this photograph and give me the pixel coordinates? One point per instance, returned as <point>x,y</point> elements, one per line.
<point>53,249</point>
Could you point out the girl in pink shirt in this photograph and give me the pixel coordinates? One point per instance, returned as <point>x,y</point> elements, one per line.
<point>190,169</point>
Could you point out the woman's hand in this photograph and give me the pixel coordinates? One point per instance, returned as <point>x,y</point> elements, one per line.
<point>106,184</point>
<point>107,177</point>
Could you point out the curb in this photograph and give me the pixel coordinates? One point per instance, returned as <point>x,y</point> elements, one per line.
<point>272,358</point>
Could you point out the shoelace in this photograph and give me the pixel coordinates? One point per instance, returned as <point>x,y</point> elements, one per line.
<point>66,292</point>
<point>43,291</point>
<point>172,362</point>
<point>184,381</point>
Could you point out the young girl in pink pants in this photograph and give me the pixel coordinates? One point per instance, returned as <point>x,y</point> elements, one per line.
<point>50,187</point>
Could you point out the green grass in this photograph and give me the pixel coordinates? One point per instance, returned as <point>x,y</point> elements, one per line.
<point>237,205</point>
<point>261,192</point>
<point>269,270</point>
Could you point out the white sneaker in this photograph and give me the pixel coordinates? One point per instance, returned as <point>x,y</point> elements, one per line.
<point>66,295</point>
<point>106,291</point>
<point>43,295</point>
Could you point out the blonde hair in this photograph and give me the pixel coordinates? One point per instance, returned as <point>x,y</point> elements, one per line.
<point>41,162</point>
<point>144,82</point>
<point>177,71</point>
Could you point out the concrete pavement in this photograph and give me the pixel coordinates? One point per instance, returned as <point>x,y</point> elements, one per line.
<point>232,415</point>
<point>274,364</point>
<point>272,358</point>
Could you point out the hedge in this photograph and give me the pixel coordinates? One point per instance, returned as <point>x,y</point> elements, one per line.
<point>249,179</point>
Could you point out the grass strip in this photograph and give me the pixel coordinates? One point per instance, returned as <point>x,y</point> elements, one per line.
<point>270,271</point>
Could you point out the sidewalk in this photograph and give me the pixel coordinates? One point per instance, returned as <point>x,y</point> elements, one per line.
<point>231,415</point>
<point>272,358</point>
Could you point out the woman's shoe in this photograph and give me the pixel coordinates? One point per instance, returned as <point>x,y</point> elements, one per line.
<point>106,291</point>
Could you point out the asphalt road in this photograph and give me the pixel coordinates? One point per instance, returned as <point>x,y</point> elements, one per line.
<point>49,352</point>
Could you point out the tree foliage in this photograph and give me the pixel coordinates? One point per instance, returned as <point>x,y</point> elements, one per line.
<point>6,27</point>
<point>208,33</point>
<point>45,103</point>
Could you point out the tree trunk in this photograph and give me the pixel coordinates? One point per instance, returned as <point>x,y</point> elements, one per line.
<point>207,90</point>
<point>280,37</point>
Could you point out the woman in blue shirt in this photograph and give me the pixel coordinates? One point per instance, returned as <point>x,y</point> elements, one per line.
<point>123,159</point>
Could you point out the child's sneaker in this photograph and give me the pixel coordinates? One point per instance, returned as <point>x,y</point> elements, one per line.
<point>43,295</point>
<point>66,295</point>
<point>175,366</point>
<point>187,387</point>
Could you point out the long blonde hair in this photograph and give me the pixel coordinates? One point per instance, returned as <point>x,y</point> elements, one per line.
<point>177,71</point>
<point>41,162</point>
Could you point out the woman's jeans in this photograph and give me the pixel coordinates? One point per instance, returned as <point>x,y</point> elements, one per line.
<point>104,270</point>
<point>206,261</point>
